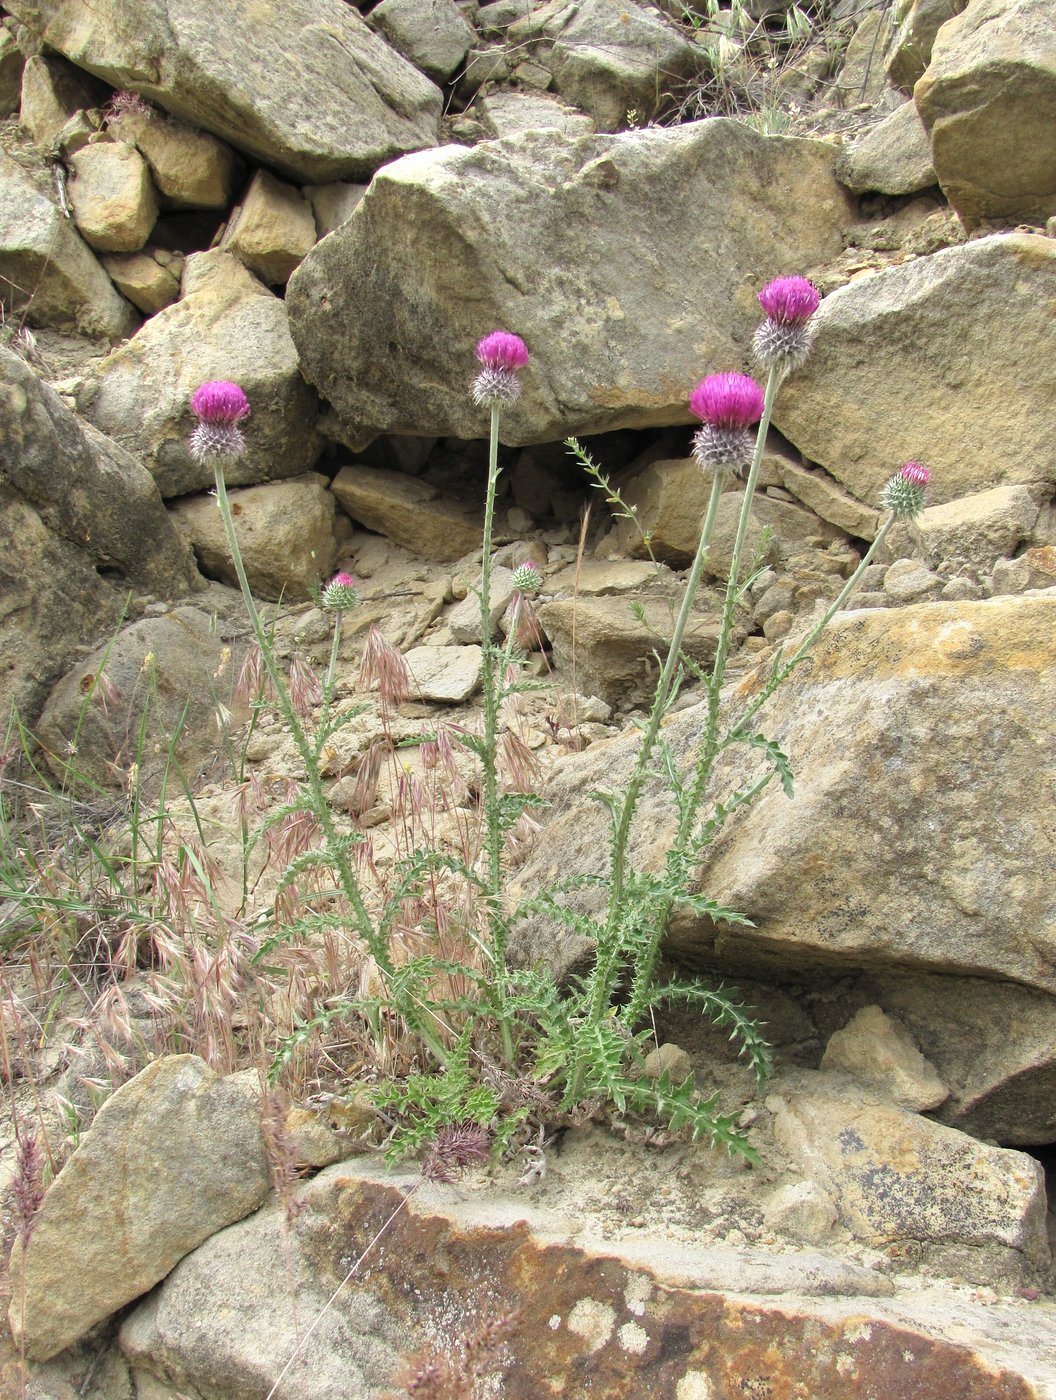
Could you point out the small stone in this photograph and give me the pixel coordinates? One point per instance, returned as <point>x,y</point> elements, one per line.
<point>448,673</point>
<point>668,1059</point>
<point>464,617</point>
<point>1011,576</point>
<point>52,90</point>
<point>333,204</point>
<point>802,1210</point>
<point>148,285</point>
<point>878,1050</point>
<point>907,580</point>
<point>432,34</point>
<point>778,625</point>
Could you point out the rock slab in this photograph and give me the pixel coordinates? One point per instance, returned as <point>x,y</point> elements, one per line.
<point>173,1156</point>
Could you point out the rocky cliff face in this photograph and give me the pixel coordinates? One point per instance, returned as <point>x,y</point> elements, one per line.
<point>329,204</point>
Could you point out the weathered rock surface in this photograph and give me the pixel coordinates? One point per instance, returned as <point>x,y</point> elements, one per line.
<point>633,1321</point>
<point>173,1156</point>
<point>449,674</point>
<point>654,241</point>
<point>817,490</point>
<point>410,512</point>
<point>431,34</point>
<point>988,101</point>
<point>898,1179</point>
<point>893,158</point>
<point>78,512</point>
<point>285,532</point>
<point>978,401</point>
<point>464,618</point>
<point>147,283</point>
<point>879,1052</point>
<point>172,669</point>
<point>112,197</point>
<point>47,268</point>
<point>52,90</point>
<point>272,229</point>
<point>191,169</point>
<point>12,62</point>
<point>978,529</point>
<point>511,113</point>
<point>334,203</point>
<point>256,80</point>
<point>909,50</point>
<point>227,326</point>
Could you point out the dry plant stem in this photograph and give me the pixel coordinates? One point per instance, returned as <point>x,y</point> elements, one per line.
<point>605,965</point>
<point>492,698</point>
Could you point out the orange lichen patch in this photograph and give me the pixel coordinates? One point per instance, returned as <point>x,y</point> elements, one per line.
<point>568,1329</point>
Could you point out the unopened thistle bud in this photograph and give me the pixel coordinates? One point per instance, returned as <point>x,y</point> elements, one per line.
<point>728,405</point>
<point>906,492</point>
<point>341,593</point>
<point>502,355</point>
<point>219,408</point>
<point>526,579</point>
<point>785,338</point>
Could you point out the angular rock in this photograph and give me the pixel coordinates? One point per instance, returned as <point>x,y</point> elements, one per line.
<point>285,532</point>
<point>608,59</point>
<point>257,79</point>
<point>191,169</point>
<point>272,230</point>
<point>610,650</point>
<point>446,674</point>
<point>464,618</point>
<point>333,204</point>
<point>172,1156</point>
<point>652,1320</point>
<point>410,512</point>
<point>448,242</point>
<point>82,521</point>
<point>183,653</point>
<point>148,284</point>
<point>894,157</point>
<point>12,61</point>
<point>52,90</point>
<point>979,529</point>
<point>862,78</point>
<point>510,113</point>
<point>829,501</point>
<point>988,102</point>
<point>909,51</point>
<point>227,326</point>
<point>47,269</point>
<point>595,577</point>
<point>866,401</point>
<point>908,581</point>
<point>897,1178</point>
<point>879,1052</point>
<point>112,197</point>
<point>431,34</point>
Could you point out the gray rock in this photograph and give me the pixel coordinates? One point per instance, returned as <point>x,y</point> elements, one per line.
<point>445,246</point>
<point>981,310</point>
<point>410,512</point>
<point>193,671</point>
<point>879,1052</point>
<point>897,1178</point>
<point>988,102</point>
<point>449,674</point>
<point>227,326</point>
<point>332,204</point>
<point>257,79</point>
<point>909,50</point>
<point>81,522</point>
<point>908,581</point>
<point>191,169</point>
<point>173,1156</point>
<point>464,618</point>
<point>49,273</point>
<point>510,113</point>
<point>112,197</point>
<point>431,34</point>
<point>285,532</point>
<point>52,90</point>
<point>894,157</point>
<point>979,529</point>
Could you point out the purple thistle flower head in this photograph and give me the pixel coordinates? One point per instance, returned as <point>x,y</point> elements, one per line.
<point>219,402</point>
<point>785,338</point>
<point>501,350</point>
<point>341,593</point>
<point>789,300</point>
<point>219,407</point>
<point>906,492</point>
<point>502,356</point>
<point>526,578</point>
<point>727,401</point>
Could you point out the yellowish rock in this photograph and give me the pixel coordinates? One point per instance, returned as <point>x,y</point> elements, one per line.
<point>272,230</point>
<point>112,197</point>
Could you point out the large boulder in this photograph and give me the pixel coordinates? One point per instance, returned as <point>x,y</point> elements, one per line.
<point>80,521</point>
<point>988,100</point>
<point>173,1156</point>
<point>909,51</point>
<point>47,271</point>
<point>628,263</point>
<point>937,361</point>
<point>306,86</point>
<point>894,157</point>
<point>227,326</point>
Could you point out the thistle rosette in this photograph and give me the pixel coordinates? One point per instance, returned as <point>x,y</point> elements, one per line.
<point>341,593</point>
<point>526,579</point>
<point>502,355</point>
<point>219,408</point>
<point>906,493</point>
<point>728,405</point>
<point>785,338</point>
